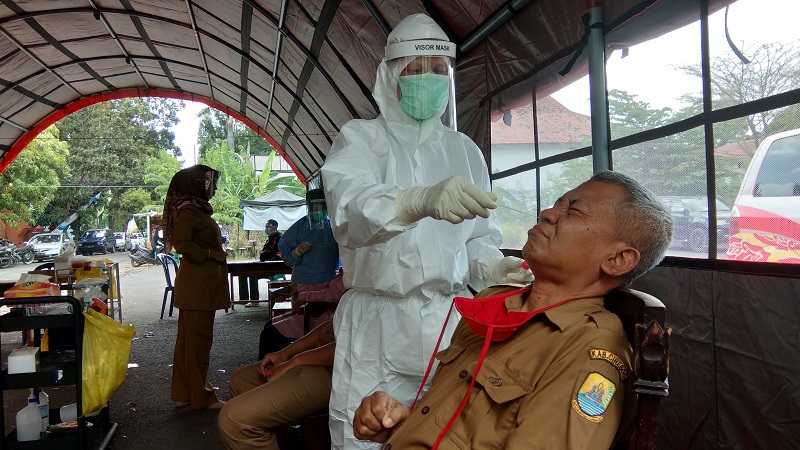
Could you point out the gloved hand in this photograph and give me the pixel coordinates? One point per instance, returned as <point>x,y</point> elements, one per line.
<point>509,270</point>
<point>454,200</point>
<point>301,249</point>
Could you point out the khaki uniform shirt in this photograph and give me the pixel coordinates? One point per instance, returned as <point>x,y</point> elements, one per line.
<point>201,283</point>
<point>561,382</point>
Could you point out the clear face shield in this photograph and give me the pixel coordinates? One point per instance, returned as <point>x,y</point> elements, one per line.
<point>210,183</point>
<point>317,209</point>
<point>426,82</point>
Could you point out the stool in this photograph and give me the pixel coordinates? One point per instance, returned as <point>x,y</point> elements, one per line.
<point>309,433</point>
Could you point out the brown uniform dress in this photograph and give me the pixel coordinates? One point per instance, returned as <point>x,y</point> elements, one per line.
<point>201,288</point>
<point>549,386</point>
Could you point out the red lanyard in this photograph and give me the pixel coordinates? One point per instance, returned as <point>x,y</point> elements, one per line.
<point>484,351</point>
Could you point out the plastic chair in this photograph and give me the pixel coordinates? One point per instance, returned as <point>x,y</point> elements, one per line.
<point>166,260</point>
<point>46,266</point>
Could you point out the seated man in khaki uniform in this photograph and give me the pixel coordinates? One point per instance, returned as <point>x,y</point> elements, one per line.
<point>557,372</point>
<point>284,386</point>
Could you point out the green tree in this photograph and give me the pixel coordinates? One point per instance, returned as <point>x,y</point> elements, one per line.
<point>158,173</point>
<point>629,115</point>
<point>772,69</point>
<point>239,182</point>
<point>213,129</point>
<point>110,144</point>
<point>32,180</point>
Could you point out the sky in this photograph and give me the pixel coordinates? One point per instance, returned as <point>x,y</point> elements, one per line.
<point>186,132</point>
<point>650,71</point>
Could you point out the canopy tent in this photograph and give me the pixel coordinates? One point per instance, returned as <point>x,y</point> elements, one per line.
<point>279,205</point>
<point>294,71</point>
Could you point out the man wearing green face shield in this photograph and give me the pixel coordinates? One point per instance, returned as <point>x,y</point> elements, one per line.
<point>410,205</point>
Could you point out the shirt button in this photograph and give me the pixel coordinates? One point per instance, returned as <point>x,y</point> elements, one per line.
<point>462,374</point>
<point>388,447</point>
<point>425,410</point>
<point>496,381</point>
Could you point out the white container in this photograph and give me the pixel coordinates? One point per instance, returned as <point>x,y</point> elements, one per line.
<point>68,413</point>
<point>43,402</point>
<point>29,422</point>
<point>23,360</point>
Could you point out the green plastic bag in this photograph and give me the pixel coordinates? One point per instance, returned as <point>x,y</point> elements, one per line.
<point>106,350</point>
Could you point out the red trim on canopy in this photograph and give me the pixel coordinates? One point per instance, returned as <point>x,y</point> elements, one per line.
<point>81,103</point>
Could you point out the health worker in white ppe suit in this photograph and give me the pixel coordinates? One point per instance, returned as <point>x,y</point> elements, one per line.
<point>410,206</point>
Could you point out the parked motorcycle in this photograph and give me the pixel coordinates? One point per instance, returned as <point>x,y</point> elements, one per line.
<point>140,256</point>
<point>26,253</point>
<point>7,257</point>
<point>12,255</point>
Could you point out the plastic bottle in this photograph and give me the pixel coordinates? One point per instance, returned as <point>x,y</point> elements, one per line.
<point>43,401</point>
<point>29,421</point>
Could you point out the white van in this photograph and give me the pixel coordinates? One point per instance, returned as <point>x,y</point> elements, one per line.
<point>765,219</point>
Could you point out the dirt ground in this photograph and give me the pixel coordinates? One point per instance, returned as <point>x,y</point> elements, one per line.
<point>146,418</point>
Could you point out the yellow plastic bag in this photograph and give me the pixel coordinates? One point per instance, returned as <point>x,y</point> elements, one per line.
<point>106,350</point>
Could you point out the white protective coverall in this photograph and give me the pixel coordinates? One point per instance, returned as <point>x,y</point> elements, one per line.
<point>402,277</point>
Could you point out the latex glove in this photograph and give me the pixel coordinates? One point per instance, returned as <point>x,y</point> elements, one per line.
<point>454,200</point>
<point>301,249</point>
<point>509,270</point>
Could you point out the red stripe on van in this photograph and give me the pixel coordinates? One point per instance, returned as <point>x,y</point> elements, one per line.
<point>755,220</point>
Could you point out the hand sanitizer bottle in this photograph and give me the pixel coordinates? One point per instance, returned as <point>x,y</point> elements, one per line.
<point>29,421</point>
<point>43,401</point>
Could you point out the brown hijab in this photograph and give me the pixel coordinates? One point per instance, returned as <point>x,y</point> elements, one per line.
<point>186,188</point>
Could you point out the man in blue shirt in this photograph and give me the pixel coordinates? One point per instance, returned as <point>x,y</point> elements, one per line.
<point>308,246</point>
<point>309,249</point>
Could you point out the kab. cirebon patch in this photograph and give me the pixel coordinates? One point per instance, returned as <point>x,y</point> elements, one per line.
<point>593,397</point>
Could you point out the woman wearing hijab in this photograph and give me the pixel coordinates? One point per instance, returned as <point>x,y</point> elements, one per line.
<point>201,285</point>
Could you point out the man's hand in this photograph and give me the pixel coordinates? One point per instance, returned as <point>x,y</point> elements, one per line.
<point>301,249</point>
<point>377,415</point>
<point>269,361</point>
<point>280,369</point>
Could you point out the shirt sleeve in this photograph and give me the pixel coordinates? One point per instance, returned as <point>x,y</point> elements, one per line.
<point>361,204</point>
<point>330,294</point>
<point>579,403</point>
<point>288,242</point>
<point>183,235</point>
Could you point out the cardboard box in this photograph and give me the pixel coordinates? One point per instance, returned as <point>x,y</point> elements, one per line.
<point>23,360</point>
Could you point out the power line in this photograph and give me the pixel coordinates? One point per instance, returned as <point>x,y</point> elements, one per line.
<point>91,186</point>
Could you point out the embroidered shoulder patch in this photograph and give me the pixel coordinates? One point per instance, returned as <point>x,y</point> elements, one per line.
<point>614,360</point>
<point>593,397</point>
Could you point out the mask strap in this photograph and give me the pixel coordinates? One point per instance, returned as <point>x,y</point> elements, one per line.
<point>433,356</point>
<point>484,351</point>
<point>481,358</point>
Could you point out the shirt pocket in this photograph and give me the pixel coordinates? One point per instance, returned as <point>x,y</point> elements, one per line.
<point>490,414</point>
<point>447,355</point>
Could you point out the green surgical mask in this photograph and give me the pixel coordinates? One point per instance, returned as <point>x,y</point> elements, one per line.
<point>422,96</point>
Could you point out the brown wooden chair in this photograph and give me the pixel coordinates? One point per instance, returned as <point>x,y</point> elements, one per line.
<point>642,317</point>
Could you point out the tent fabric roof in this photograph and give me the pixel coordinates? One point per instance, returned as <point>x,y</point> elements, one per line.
<point>278,197</point>
<point>294,71</point>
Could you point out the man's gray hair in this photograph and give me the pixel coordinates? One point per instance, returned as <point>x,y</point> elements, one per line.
<point>642,221</point>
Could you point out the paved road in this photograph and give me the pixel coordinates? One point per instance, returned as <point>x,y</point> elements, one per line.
<point>142,407</point>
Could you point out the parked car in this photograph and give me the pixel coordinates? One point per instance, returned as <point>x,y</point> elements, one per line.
<point>690,214</point>
<point>97,240</point>
<point>121,242</point>
<point>137,240</point>
<point>49,245</point>
<point>765,220</point>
